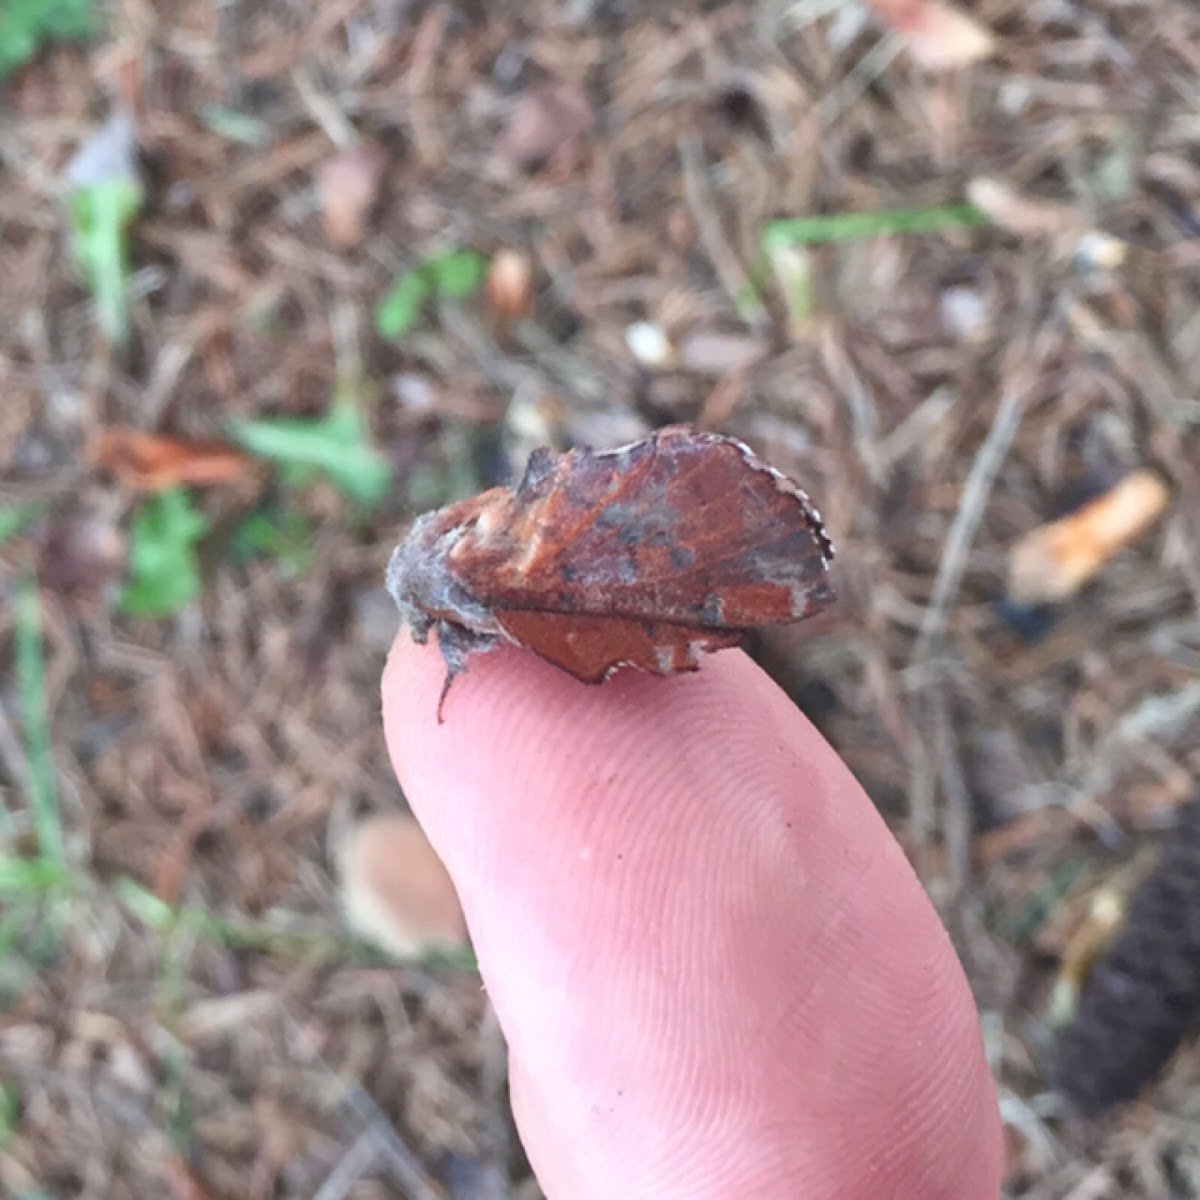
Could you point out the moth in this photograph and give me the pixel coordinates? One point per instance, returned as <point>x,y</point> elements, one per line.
<point>646,556</point>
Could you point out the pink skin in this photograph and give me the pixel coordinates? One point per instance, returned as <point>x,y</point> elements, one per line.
<point>718,975</point>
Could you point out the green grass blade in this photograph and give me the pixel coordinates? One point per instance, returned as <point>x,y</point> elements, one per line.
<point>10,1112</point>
<point>31,877</point>
<point>100,215</point>
<point>15,518</point>
<point>401,306</point>
<point>284,536</point>
<point>452,274</point>
<point>456,273</point>
<point>841,227</point>
<point>164,574</point>
<point>338,444</point>
<point>31,689</point>
<point>26,25</point>
<point>235,126</point>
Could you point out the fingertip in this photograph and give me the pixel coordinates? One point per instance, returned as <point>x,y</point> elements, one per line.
<point>695,927</point>
<point>408,674</point>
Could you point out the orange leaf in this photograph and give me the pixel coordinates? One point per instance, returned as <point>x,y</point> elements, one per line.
<point>148,462</point>
<point>1051,563</point>
<point>509,284</point>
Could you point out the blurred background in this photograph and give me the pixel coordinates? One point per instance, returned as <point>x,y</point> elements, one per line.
<point>279,276</point>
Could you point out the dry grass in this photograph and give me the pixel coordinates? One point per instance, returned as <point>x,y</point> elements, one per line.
<point>943,394</point>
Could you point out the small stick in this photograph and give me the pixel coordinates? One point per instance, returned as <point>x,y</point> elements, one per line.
<point>983,474</point>
<point>724,259</point>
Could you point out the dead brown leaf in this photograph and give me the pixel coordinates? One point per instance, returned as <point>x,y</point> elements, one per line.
<point>548,124</point>
<point>82,551</point>
<point>939,37</point>
<point>396,890</point>
<point>349,185</point>
<point>183,1181</point>
<point>150,462</point>
<point>713,352</point>
<point>1023,215</point>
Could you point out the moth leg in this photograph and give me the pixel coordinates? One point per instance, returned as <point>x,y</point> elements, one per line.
<point>419,626</point>
<point>442,697</point>
<point>458,643</point>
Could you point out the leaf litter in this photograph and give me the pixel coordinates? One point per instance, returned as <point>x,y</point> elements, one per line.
<point>945,390</point>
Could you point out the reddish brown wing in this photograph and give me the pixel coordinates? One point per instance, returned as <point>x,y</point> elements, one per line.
<point>683,528</point>
<point>591,647</point>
